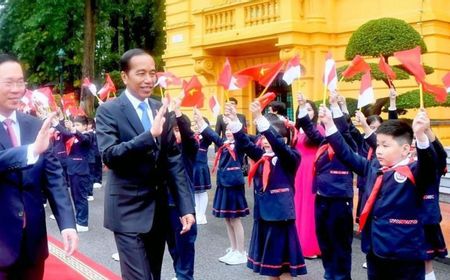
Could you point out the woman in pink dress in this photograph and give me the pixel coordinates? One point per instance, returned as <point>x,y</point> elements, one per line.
<point>304,196</point>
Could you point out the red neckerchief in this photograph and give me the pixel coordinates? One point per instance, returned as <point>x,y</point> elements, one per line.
<point>370,153</point>
<point>69,144</point>
<point>322,149</point>
<point>403,170</point>
<point>197,137</point>
<point>265,159</point>
<point>219,153</point>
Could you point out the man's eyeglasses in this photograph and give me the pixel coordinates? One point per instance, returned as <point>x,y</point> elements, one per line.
<point>11,84</point>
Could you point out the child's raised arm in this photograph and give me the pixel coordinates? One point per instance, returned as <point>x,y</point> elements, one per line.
<point>353,161</point>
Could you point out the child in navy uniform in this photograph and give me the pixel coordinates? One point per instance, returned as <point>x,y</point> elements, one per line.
<point>275,248</point>
<point>95,160</point>
<point>229,199</point>
<point>181,246</point>
<point>78,144</point>
<point>333,184</point>
<point>431,214</point>
<point>201,177</point>
<point>392,229</point>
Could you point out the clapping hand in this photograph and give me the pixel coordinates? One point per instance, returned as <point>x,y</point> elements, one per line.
<point>230,111</point>
<point>158,122</point>
<point>420,124</point>
<point>198,118</point>
<point>325,116</point>
<point>43,138</point>
<point>255,108</point>
<point>301,100</point>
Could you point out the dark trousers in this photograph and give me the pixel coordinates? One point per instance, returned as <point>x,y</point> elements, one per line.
<point>92,179</point>
<point>79,185</point>
<point>141,254</point>
<point>380,268</point>
<point>181,247</point>
<point>22,269</point>
<point>334,229</point>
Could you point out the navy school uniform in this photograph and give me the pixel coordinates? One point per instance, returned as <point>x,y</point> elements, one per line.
<point>393,237</point>
<point>202,176</point>
<point>59,150</point>
<point>274,247</point>
<point>78,171</point>
<point>431,214</point>
<point>182,246</point>
<point>95,161</point>
<point>333,184</point>
<point>365,147</point>
<point>229,199</point>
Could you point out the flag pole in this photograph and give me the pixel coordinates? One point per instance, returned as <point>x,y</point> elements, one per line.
<point>264,91</point>
<point>421,96</point>
<point>324,100</point>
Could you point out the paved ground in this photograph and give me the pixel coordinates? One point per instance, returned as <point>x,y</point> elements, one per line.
<point>212,240</point>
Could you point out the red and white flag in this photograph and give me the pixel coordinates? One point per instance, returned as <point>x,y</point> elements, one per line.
<point>293,70</point>
<point>91,86</point>
<point>446,80</point>
<point>411,60</point>
<point>230,81</point>
<point>214,106</point>
<point>44,97</point>
<point>165,79</point>
<point>107,88</point>
<point>26,102</point>
<point>357,65</point>
<point>366,95</point>
<point>330,76</point>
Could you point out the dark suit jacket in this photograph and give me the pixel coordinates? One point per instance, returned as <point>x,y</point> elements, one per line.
<point>138,167</point>
<point>21,188</point>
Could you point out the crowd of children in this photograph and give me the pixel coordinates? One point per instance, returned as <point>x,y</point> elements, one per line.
<point>302,180</point>
<point>397,212</point>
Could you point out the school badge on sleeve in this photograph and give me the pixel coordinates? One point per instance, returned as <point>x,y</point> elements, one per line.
<point>399,178</point>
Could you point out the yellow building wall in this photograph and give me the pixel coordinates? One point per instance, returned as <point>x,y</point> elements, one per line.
<point>201,34</point>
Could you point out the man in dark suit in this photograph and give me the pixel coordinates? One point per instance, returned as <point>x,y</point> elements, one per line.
<point>139,148</point>
<point>221,126</point>
<point>27,169</point>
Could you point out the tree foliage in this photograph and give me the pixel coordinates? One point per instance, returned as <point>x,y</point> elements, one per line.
<point>383,36</point>
<point>35,30</point>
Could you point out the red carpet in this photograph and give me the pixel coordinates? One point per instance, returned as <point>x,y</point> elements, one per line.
<point>75,267</point>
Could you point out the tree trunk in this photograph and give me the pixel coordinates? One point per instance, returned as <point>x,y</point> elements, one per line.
<point>86,98</point>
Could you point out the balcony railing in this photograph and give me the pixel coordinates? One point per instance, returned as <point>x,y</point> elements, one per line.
<point>220,21</point>
<point>262,12</point>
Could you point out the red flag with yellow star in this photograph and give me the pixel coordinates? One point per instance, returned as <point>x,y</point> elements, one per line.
<point>262,73</point>
<point>193,95</point>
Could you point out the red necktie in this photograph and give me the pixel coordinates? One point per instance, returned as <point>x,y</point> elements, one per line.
<point>219,154</point>
<point>266,170</point>
<point>322,149</point>
<point>402,170</point>
<point>12,134</point>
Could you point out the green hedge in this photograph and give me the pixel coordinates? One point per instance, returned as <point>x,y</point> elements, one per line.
<point>352,104</point>
<point>410,99</point>
<point>383,36</point>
